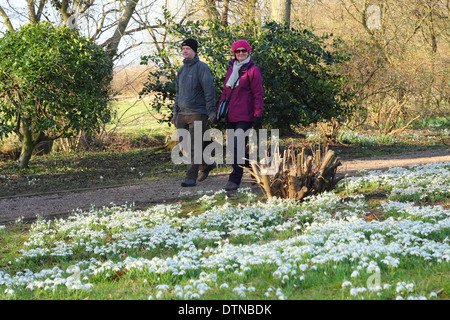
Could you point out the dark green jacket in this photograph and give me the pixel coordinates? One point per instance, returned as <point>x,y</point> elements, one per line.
<point>195,91</point>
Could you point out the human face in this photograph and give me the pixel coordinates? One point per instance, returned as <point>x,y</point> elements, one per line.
<point>187,52</point>
<point>241,54</point>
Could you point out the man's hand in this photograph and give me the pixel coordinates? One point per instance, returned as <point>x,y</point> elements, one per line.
<point>212,117</point>
<point>174,119</point>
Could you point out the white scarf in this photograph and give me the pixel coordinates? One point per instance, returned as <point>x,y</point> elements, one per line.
<point>235,74</point>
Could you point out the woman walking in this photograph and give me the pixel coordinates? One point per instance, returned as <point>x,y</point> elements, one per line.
<point>246,104</point>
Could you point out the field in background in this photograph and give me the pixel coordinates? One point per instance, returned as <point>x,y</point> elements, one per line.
<point>137,117</point>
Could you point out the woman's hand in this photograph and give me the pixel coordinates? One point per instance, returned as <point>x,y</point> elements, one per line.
<point>257,122</point>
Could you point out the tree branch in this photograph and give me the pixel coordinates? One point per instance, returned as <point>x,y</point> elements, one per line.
<point>113,43</point>
<point>6,19</point>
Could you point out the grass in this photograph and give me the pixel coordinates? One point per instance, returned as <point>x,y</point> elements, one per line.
<point>137,117</point>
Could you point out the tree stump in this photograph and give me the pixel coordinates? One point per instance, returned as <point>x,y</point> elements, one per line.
<point>296,175</point>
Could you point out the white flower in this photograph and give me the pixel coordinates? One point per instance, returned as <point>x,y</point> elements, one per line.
<point>355,274</point>
<point>195,296</point>
<point>346,284</point>
<point>162,287</point>
<point>9,291</point>
<point>409,287</point>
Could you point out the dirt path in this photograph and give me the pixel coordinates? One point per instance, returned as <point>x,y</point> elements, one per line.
<point>148,193</point>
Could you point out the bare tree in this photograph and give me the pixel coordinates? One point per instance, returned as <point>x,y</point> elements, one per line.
<point>105,22</point>
<point>399,55</point>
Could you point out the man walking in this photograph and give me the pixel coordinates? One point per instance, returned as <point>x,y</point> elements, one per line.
<point>194,105</point>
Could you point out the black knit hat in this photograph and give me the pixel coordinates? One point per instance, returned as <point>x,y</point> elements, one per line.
<point>190,43</point>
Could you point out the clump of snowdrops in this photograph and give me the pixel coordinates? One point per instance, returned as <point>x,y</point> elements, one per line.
<point>278,249</point>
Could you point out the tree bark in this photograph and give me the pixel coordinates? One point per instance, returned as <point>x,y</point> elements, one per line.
<point>6,19</point>
<point>29,141</point>
<point>281,11</point>
<point>27,144</point>
<point>113,43</point>
<point>225,10</point>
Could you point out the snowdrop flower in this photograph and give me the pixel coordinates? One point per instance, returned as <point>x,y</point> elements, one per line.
<point>202,288</point>
<point>416,298</point>
<point>162,287</point>
<point>409,287</point>
<point>355,274</point>
<point>280,294</point>
<point>9,291</point>
<point>303,267</point>
<point>400,286</point>
<point>354,292</point>
<point>178,291</point>
<point>346,284</point>
<point>361,290</point>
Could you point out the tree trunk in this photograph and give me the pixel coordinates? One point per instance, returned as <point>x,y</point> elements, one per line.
<point>250,11</point>
<point>27,144</point>
<point>281,11</point>
<point>225,10</point>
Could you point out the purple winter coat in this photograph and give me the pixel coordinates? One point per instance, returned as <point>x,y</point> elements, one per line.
<point>247,99</point>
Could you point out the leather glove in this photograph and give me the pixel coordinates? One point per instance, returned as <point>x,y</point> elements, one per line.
<point>212,117</point>
<point>257,122</point>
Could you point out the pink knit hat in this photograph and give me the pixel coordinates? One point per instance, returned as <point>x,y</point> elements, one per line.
<point>241,44</point>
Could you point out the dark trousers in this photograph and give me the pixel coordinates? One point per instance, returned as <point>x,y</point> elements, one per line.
<point>187,122</point>
<point>238,160</point>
